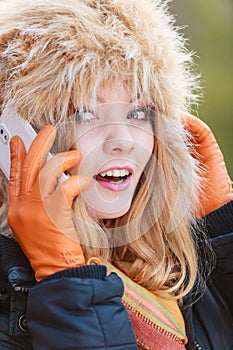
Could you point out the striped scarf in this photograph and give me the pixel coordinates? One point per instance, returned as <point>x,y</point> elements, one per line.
<point>158,323</point>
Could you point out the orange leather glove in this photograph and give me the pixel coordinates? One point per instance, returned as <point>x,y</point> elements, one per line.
<point>40,212</point>
<point>217,185</point>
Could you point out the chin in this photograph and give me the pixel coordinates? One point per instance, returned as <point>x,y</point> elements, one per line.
<point>106,204</point>
<point>113,214</point>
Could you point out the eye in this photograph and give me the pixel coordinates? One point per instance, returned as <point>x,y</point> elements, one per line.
<point>142,113</point>
<point>85,115</point>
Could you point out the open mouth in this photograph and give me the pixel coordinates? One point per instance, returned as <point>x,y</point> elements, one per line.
<point>114,179</point>
<point>116,176</point>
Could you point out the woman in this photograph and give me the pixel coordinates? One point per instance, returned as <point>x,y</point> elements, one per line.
<point>113,78</point>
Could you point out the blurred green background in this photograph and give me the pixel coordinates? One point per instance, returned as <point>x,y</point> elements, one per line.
<point>209,29</point>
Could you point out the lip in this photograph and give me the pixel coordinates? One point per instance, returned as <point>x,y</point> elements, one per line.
<point>130,170</point>
<point>116,187</point>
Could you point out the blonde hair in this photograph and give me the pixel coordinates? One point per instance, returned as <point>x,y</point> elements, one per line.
<point>52,51</point>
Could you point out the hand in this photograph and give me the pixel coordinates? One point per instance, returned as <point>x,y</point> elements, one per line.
<point>40,212</point>
<point>217,186</point>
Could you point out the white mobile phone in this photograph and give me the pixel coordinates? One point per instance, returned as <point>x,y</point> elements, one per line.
<point>12,124</point>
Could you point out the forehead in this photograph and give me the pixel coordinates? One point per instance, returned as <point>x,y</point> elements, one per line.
<point>114,93</point>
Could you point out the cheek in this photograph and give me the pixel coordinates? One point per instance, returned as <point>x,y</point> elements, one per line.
<point>143,133</point>
<point>149,144</point>
<point>81,144</point>
<point>145,144</point>
<point>89,146</point>
<point>86,143</point>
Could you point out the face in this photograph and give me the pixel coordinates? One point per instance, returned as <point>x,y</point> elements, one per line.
<point>115,138</point>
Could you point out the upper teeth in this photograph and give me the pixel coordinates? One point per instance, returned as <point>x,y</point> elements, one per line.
<point>116,173</point>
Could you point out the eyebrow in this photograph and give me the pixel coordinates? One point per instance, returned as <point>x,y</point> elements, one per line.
<point>102,100</point>
<point>138,97</point>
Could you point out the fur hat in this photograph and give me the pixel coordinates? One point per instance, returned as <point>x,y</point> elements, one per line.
<point>53,50</point>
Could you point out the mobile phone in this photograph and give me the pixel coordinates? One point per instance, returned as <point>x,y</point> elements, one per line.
<point>11,124</point>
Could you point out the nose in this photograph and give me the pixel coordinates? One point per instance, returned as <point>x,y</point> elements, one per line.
<point>118,139</point>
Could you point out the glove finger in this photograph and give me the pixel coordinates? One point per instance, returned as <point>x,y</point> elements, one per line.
<point>60,215</point>
<point>73,186</point>
<point>18,154</point>
<point>36,156</point>
<point>54,169</point>
<point>216,189</point>
<point>195,125</point>
<point>201,134</point>
<point>204,141</point>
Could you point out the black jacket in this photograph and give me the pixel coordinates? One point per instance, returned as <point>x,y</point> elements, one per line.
<point>81,308</point>
<point>209,316</point>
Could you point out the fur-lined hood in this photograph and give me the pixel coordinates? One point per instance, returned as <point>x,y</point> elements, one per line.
<point>51,50</point>
<point>55,52</point>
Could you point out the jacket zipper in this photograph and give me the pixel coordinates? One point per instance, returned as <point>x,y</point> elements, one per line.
<point>198,346</point>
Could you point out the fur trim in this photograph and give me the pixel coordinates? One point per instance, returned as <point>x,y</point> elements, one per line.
<point>51,50</point>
